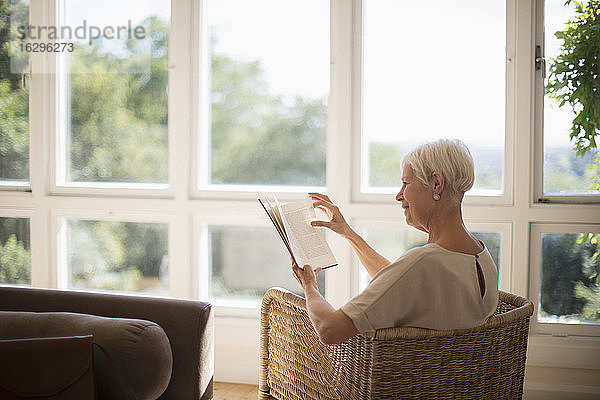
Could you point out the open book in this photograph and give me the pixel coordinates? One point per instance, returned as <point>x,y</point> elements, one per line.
<point>305,243</point>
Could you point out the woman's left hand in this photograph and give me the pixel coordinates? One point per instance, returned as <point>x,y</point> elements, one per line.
<point>306,277</point>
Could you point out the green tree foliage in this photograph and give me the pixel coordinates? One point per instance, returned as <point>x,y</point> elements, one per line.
<point>566,172</point>
<point>119,109</point>
<point>14,132</point>
<point>570,269</point>
<point>116,255</point>
<point>15,262</point>
<point>14,251</point>
<point>15,226</point>
<point>591,296</point>
<point>14,100</point>
<point>256,138</point>
<point>385,164</point>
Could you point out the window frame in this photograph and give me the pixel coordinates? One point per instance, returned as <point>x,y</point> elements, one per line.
<point>15,186</point>
<point>59,265</point>
<point>57,100</point>
<point>36,17</point>
<point>539,82</point>
<point>554,329</point>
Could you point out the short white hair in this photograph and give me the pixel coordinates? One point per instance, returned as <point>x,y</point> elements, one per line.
<point>449,157</point>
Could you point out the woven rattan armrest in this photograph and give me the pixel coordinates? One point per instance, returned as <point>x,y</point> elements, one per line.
<point>294,362</point>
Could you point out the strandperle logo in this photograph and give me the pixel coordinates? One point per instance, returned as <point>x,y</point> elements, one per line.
<point>80,32</point>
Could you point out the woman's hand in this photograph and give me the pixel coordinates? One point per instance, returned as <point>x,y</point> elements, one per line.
<point>332,326</point>
<point>307,278</point>
<point>336,222</point>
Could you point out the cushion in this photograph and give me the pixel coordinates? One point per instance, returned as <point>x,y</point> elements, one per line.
<point>139,349</point>
<point>57,368</point>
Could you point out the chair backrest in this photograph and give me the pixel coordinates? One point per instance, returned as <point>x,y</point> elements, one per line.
<point>484,362</point>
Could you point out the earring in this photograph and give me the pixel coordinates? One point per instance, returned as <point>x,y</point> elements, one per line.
<point>436,196</point>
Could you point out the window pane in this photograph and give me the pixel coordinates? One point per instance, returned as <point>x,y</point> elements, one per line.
<point>564,171</point>
<point>246,261</point>
<point>570,278</point>
<point>15,251</point>
<point>424,84</point>
<point>117,91</point>
<point>14,99</point>
<point>269,83</point>
<point>492,242</point>
<point>122,256</point>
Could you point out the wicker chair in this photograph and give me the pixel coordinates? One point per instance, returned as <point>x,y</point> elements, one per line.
<point>487,362</point>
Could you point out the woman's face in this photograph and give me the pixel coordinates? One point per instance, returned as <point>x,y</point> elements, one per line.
<point>417,200</point>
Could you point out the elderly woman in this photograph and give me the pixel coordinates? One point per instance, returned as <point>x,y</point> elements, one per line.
<point>449,283</point>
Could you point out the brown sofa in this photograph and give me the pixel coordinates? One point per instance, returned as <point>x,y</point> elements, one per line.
<point>138,333</point>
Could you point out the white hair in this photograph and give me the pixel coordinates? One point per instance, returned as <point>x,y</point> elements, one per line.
<point>448,157</point>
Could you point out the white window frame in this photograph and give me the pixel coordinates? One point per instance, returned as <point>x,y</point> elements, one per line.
<point>540,196</point>
<point>17,186</point>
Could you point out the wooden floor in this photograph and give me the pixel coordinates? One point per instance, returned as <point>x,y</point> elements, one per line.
<point>235,391</point>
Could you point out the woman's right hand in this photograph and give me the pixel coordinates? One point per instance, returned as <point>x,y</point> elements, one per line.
<point>336,222</point>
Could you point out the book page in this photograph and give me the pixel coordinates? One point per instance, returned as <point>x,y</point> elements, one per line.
<point>275,218</point>
<point>306,241</point>
<point>275,214</point>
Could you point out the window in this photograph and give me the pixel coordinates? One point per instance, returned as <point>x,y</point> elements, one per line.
<point>266,85</point>
<point>565,172</point>
<point>565,278</point>
<point>117,256</point>
<point>15,251</point>
<point>14,96</point>
<point>115,87</point>
<point>442,81</point>
<point>245,261</point>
